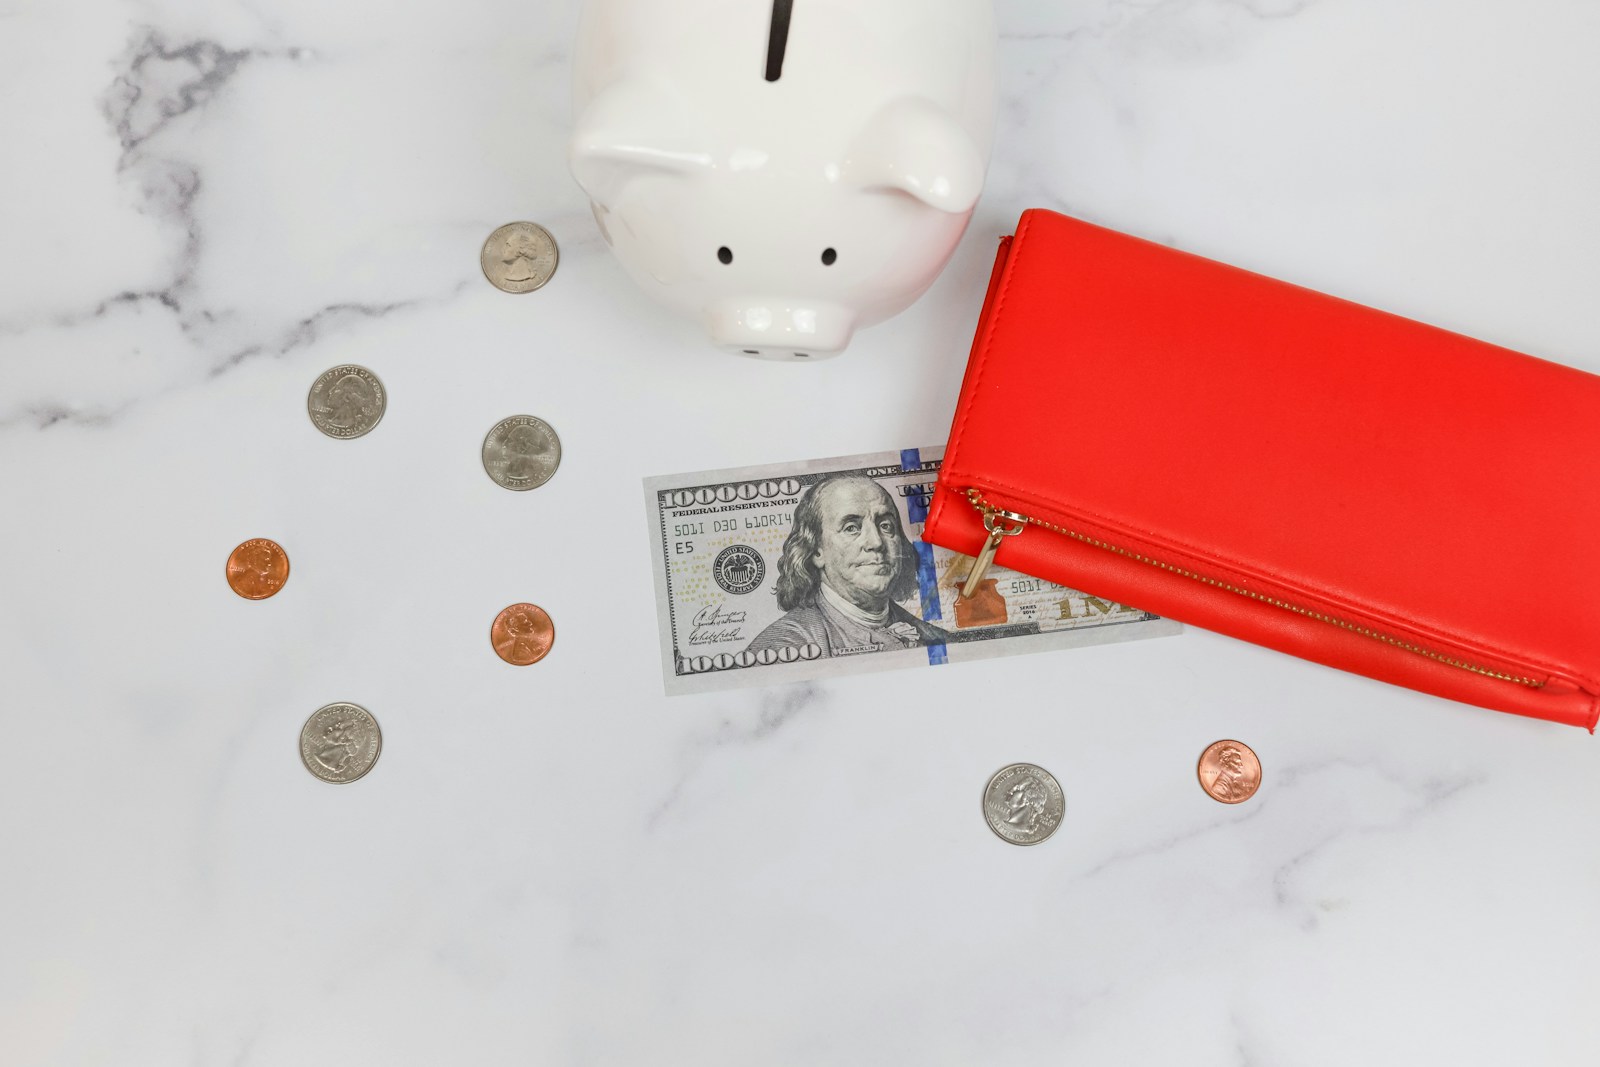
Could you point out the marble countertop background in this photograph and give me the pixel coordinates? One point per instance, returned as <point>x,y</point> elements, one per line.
<point>202,206</point>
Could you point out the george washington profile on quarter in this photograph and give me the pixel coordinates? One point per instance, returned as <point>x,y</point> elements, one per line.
<point>346,401</point>
<point>519,257</point>
<point>844,565</point>
<point>521,452</point>
<point>340,743</point>
<point>1023,804</point>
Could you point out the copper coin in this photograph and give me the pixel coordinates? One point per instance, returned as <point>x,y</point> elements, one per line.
<point>258,568</point>
<point>1229,772</point>
<point>522,634</point>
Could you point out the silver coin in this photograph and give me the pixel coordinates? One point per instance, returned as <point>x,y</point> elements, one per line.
<point>1023,804</point>
<point>346,401</point>
<point>521,452</point>
<point>519,257</point>
<point>340,743</point>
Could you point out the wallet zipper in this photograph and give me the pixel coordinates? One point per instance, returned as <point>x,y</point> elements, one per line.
<point>1001,524</point>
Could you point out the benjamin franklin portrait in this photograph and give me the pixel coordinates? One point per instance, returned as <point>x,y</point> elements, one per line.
<point>844,565</point>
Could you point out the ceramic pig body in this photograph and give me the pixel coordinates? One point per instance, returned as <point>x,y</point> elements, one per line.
<point>785,171</point>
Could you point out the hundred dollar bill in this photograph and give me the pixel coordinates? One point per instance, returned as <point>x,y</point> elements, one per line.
<point>817,568</point>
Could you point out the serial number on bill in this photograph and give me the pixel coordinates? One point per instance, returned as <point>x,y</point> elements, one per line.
<point>742,522</point>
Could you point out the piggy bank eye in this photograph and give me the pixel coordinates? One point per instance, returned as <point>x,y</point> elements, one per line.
<point>828,256</point>
<point>725,254</point>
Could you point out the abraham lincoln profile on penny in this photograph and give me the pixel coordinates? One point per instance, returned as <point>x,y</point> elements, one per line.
<point>520,640</point>
<point>257,569</point>
<point>1233,780</point>
<point>1229,771</point>
<point>844,565</point>
<point>259,560</point>
<point>522,634</point>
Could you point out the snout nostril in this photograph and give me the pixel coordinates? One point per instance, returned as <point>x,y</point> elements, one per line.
<point>752,352</point>
<point>803,355</point>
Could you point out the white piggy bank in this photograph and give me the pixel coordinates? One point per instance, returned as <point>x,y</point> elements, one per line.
<point>785,171</point>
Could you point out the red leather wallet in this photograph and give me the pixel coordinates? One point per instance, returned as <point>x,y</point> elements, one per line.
<point>1282,466</point>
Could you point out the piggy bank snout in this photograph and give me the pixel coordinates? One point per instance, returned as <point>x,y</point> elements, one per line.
<point>781,329</point>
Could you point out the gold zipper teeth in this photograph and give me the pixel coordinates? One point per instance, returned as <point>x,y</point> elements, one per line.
<point>1389,639</point>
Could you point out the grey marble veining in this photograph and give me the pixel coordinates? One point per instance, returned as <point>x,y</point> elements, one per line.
<point>204,206</point>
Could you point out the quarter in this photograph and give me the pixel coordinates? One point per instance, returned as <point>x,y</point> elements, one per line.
<point>346,401</point>
<point>340,743</point>
<point>1023,804</point>
<point>1229,771</point>
<point>257,569</point>
<point>521,452</point>
<point>519,257</point>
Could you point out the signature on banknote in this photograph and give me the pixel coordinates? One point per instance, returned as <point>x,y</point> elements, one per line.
<point>714,625</point>
<point>801,570</point>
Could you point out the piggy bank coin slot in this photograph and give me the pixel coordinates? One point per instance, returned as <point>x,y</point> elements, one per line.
<point>778,38</point>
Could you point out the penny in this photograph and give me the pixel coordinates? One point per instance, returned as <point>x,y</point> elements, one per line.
<point>522,634</point>
<point>1023,804</point>
<point>1229,771</point>
<point>258,568</point>
<point>346,401</point>
<point>340,742</point>
<point>521,452</point>
<point>519,257</point>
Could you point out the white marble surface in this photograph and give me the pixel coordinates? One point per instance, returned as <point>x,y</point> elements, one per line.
<point>203,205</point>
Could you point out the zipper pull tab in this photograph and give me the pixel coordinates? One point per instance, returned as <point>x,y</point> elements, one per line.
<point>1000,524</point>
<point>985,557</point>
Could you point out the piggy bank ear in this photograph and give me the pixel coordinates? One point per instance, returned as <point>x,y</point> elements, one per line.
<point>914,146</point>
<point>628,130</point>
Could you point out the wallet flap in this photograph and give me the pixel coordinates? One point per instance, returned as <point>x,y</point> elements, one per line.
<point>1290,444</point>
